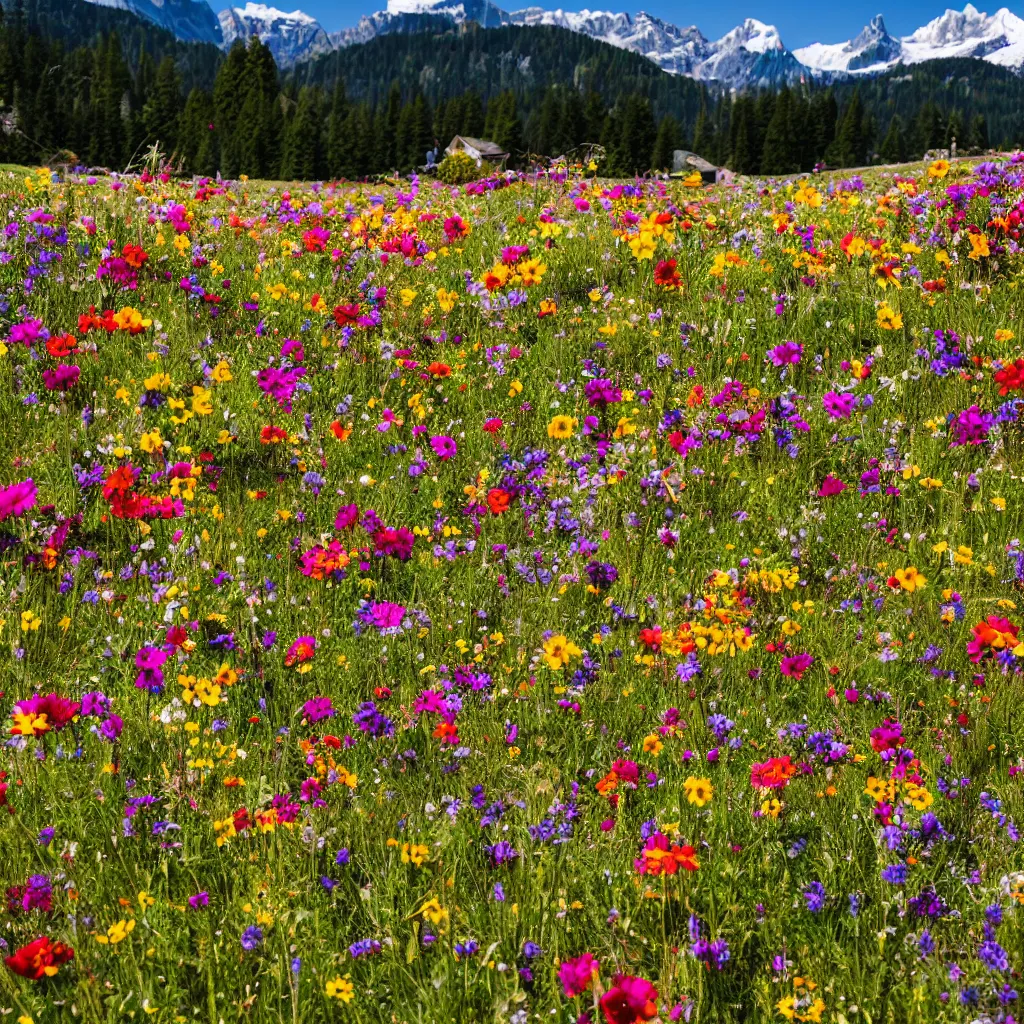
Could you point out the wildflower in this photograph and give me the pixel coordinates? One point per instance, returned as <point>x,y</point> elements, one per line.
<point>559,651</point>
<point>629,1000</point>
<point>341,989</point>
<point>577,973</point>
<point>698,791</point>
<point>40,958</point>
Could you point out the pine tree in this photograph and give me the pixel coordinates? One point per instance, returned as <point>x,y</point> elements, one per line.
<point>745,157</point>
<point>337,140</point>
<point>302,149</point>
<point>229,93</point>
<point>777,156</point>
<point>956,130</point>
<point>894,145</point>
<point>162,109</point>
<point>639,133</point>
<point>979,133</point>
<point>703,132</point>
<point>848,148</point>
<point>668,140</point>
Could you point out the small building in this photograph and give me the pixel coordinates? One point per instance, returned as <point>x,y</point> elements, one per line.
<point>478,149</point>
<point>685,163</point>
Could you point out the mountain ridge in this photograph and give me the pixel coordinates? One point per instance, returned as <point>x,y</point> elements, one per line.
<point>751,55</point>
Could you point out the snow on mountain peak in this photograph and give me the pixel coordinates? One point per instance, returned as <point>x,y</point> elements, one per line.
<point>752,54</point>
<point>264,13</point>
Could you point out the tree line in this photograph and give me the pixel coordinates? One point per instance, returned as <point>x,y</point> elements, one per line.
<point>109,96</point>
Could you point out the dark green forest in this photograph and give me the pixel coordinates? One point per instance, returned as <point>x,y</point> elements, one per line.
<point>106,87</point>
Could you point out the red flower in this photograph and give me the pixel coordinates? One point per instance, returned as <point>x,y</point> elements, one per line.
<point>651,638</point>
<point>40,958</point>
<point>666,275</point>
<point>61,345</point>
<point>629,1000</point>
<point>498,500</point>
<point>774,773</point>
<point>344,315</point>
<point>439,369</point>
<point>493,425</point>
<point>1009,378</point>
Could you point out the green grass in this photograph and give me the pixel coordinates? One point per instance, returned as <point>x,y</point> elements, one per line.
<point>484,593</point>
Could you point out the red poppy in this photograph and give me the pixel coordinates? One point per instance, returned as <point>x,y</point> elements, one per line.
<point>1010,377</point>
<point>498,500</point>
<point>273,435</point>
<point>61,345</point>
<point>439,369</point>
<point>40,958</point>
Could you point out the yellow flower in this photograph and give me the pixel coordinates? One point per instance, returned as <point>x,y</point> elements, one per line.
<point>888,319</point>
<point>1004,335</point>
<point>408,296</point>
<point>433,912</point>
<point>698,791</point>
<point>446,300</point>
<point>117,932</point>
<point>979,247</point>
<point>653,745</point>
<point>938,169</point>
<point>771,808</point>
<point>341,989</point>
<point>559,651</point>
<point>561,427</point>
<point>151,441</point>
<point>880,790</point>
<point>201,404</point>
<point>415,854</point>
<point>221,373</point>
<point>964,555</point>
<point>910,579</point>
<point>30,724</point>
<point>918,797</point>
<point>30,622</point>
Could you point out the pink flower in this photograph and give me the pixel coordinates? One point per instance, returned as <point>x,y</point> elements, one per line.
<point>444,447</point>
<point>831,486</point>
<point>795,665</point>
<point>17,499</point>
<point>577,973</point>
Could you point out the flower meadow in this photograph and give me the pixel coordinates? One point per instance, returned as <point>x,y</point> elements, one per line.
<point>549,598</point>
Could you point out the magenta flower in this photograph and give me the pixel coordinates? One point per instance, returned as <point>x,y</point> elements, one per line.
<point>839,405</point>
<point>831,486</point>
<point>577,973</point>
<point>61,377</point>
<point>795,665</point>
<point>789,352</point>
<point>17,499</point>
<point>444,447</point>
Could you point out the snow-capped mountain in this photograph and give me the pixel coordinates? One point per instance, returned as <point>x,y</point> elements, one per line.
<point>751,55</point>
<point>290,37</point>
<point>873,47</point>
<point>419,16</point>
<point>997,38</point>
<point>679,50</point>
<point>192,20</point>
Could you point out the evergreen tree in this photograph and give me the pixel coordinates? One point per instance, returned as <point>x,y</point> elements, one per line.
<point>979,133</point>
<point>668,140</point>
<point>894,145</point>
<point>302,149</point>
<point>337,136</point>
<point>703,133</point>
<point>778,155</point>
<point>162,109</point>
<point>848,148</point>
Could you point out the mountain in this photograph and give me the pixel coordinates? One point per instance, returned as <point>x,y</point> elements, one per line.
<point>190,20</point>
<point>290,37</point>
<point>404,16</point>
<point>679,50</point>
<point>997,38</point>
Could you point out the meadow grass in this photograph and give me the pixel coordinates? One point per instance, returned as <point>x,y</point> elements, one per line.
<point>658,579</point>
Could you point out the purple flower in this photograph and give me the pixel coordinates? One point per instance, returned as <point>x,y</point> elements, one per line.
<point>251,938</point>
<point>444,447</point>
<point>789,352</point>
<point>199,901</point>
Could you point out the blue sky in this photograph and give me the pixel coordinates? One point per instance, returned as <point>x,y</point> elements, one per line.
<point>799,21</point>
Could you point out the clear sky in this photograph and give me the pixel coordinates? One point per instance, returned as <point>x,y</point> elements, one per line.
<point>799,21</point>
